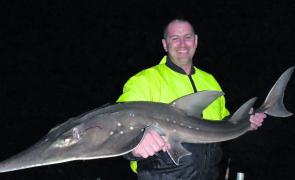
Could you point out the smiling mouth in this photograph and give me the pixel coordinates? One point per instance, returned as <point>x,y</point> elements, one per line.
<point>182,51</point>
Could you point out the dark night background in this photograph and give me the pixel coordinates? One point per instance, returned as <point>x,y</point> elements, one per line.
<point>62,58</point>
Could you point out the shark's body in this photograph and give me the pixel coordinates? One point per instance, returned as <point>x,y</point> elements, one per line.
<point>117,129</point>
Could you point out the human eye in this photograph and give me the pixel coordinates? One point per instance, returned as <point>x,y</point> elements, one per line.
<point>174,38</point>
<point>189,37</point>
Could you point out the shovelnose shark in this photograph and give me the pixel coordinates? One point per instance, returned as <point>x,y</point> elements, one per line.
<point>117,129</point>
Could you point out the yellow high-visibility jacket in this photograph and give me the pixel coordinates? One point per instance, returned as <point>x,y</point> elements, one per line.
<point>166,82</point>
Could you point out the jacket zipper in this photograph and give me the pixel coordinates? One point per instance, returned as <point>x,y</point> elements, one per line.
<point>193,83</point>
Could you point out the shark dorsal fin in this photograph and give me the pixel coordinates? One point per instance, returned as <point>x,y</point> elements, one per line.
<point>243,111</point>
<point>194,104</point>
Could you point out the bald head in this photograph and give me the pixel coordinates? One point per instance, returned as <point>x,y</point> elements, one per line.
<point>165,32</point>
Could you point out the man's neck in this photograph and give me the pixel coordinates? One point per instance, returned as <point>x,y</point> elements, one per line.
<point>183,69</point>
<point>186,67</point>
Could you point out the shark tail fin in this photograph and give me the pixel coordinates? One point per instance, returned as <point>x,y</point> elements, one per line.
<point>273,104</point>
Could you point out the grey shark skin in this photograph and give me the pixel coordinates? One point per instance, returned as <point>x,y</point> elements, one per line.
<point>117,129</point>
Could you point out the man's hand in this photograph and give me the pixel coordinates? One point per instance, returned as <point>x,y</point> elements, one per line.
<point>257,120</point>
<point>151,143</point>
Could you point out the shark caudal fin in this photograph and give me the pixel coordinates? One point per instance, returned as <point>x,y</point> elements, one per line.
<point>273,104</point>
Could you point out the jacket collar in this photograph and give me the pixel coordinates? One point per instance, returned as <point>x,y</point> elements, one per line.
<point>176,68</point>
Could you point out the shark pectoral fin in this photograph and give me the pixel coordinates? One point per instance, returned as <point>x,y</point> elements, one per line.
<point>130,140</point>
<point>177,151</point>
<point>120,143</point>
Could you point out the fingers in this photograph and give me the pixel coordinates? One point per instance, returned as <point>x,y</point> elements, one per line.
<point>251,111</point>
<point>157,142</point>
<point>152,142</point>
<point>257,120</point>
<point>166,147</point>
<point>139,151</point>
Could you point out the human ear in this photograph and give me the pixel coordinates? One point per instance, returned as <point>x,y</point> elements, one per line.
<point>164,45</point>
<point>196,40</point>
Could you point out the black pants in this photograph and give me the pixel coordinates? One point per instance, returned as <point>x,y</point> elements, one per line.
<point>201,165</point>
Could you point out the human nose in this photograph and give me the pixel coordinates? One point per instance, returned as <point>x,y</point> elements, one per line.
<point>182,42</point>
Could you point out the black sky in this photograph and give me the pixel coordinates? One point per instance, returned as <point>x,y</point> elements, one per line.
<point>62,58</point>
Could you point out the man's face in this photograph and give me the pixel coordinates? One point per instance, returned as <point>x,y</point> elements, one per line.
<point>181,43</point>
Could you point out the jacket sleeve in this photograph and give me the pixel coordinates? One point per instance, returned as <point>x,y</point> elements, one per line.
<point>136,89</point>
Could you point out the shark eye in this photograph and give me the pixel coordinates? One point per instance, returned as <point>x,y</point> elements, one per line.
<point>72,138</point>
<point>67,141</point>
<point>76,133</point>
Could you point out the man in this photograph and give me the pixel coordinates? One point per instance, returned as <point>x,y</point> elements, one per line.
<point>174,77</point>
